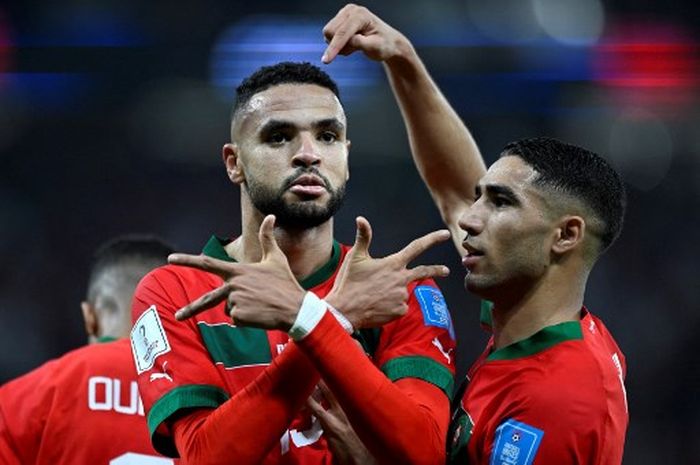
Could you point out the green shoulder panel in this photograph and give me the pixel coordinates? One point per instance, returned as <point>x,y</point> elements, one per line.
<point>235,346</point>
<point>420,367</point>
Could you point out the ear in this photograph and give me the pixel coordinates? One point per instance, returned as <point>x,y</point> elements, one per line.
<point>569,234</point>
<point>229,154</point>
<point>92,326</point>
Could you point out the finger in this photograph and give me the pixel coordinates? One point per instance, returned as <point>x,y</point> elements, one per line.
<point>207,301</point>
<point>420,245</point>
<point>331,26</point>
<point>329,396</point>
<point>319,411</point>
<point>204,263</point>
<point>266,236</point>
<point>363,236</point>
<point>428,271</point>
<point>344,32</point>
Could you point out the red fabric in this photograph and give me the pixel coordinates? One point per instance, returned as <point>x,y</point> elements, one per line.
<point>404,423</point>
<point>47,418</point>
<point>572,391</point>
<point>258,415</point>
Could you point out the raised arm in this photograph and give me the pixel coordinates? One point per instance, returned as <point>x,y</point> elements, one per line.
<point>443,149</point>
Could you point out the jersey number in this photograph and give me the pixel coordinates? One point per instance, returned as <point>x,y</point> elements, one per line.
<point>139,459</point>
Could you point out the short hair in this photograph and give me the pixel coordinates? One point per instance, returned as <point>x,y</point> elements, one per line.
<point>580,173</point>
<point>286,72</point>
<point>144,252</point>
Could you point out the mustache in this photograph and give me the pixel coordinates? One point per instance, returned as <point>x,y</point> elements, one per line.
<point>301,171</point>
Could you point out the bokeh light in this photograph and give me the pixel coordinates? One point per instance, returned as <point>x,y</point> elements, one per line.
<point>571,22</point>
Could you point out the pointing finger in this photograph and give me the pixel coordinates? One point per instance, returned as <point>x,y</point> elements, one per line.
<point>420,245</point>
<point>207,301</point>
<point>428,271</point>
<point>204,263</point>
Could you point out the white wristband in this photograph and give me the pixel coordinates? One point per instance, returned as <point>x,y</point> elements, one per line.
<point>344,322</point>
<point>310,313</point>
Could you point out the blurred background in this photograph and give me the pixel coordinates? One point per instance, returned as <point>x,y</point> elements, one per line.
<point>113,114</point>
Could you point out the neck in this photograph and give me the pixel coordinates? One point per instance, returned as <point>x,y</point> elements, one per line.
<point>306,249</point>
<point>554,299</point>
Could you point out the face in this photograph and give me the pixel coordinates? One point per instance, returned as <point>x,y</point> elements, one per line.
<point>291,153</point>
<point>509,237</point>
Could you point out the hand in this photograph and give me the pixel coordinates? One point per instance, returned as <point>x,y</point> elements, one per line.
<point>346,446</point>
<point>356,28</point>
<point>264,294</point>
<point>370,291</point>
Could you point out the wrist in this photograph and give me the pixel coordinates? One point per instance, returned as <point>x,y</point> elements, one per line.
<point>310,313</point>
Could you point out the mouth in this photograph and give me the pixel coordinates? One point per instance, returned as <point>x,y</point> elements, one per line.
<point>472,257</point>
<point>308,185</point>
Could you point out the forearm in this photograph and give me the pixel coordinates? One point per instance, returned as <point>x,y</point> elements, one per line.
<point>249,425</point>
<point>396,427</point>
<point>443,149</point>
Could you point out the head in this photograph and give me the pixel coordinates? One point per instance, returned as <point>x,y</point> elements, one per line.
<point>288,149</point>
<point>544,207</point>
<point>117,267</point>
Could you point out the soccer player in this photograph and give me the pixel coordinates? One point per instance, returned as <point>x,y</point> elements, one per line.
<point>549,387</point>
<point>230,385</point>
<point>84,407</point>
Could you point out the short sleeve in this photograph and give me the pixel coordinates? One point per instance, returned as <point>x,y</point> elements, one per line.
<point>421,344</point>
<point>175,371</point>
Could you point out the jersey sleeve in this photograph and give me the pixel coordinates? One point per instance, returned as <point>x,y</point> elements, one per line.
<point>421,344</point>
<point>174,369</point>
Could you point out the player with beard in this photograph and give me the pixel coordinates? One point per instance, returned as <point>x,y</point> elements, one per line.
<point>239,375</point>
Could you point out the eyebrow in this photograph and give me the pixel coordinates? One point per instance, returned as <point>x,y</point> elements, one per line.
<point>498,189</point>
<point>282,125</point>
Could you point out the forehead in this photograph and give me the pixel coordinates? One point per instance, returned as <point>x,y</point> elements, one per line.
<point>512,172</point>
<point>300,104</point>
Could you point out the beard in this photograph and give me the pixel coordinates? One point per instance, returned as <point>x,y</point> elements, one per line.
<point>303,214</point>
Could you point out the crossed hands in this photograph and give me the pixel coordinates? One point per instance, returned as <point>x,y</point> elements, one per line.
<point>368,291</point>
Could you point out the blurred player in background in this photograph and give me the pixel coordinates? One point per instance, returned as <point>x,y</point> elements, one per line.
<point>84,407</point>
<point>236,393</point>
<point>549,388</point>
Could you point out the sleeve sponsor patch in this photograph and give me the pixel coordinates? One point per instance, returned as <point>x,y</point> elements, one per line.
<point>516,443</point>
<point>434,308</point>
<point>148,340</point>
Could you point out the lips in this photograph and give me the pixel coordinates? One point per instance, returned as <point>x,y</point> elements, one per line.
<point>472,257</point>
<point>308,185</point>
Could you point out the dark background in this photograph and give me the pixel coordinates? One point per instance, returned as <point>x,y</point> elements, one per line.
<point>113,113</point>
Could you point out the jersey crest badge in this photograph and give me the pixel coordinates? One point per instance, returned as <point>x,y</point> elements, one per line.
<point>148,340</point>
<point>516,443</point>
<point>434,308</point>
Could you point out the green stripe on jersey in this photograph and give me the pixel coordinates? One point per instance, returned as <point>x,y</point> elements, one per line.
<point>541,340</point>
<point>420,367</point>
<point>182,397</point>
<point>215,248</point>
<point>233,346</point>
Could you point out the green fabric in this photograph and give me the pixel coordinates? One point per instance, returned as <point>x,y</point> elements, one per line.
<point>103,339</point>
<point>486,317</point>
<point>235,346</point>
<point>420,367</point>
<point>215,248</point>
<point>541,340</point>
<point>182,397</point>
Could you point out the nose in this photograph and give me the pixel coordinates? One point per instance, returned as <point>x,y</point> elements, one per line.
<point>472,221</point>
<point>307,155</point>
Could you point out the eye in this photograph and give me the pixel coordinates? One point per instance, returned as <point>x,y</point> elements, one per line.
<point>277,138</point>
<point>328,137</point>
<point>501,201</point>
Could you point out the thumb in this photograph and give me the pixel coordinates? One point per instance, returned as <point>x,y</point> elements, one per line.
<point>363,237</point>
<point>266,236</point>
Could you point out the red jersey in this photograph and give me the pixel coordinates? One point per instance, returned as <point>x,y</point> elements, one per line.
<point>205,360</point>
<point>557,397</point>
<point>82,408</point>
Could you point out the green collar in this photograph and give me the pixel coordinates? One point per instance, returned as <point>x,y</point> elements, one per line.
<point>105,339</point>
<point>215,248</point>
<point>541,340</point>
